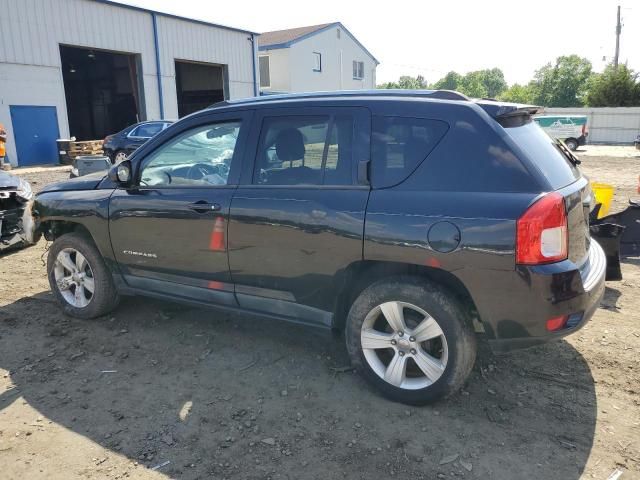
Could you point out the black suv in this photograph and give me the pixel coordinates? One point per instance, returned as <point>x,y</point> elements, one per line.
<point>410,220</point>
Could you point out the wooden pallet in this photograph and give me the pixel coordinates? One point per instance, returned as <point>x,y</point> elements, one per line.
<point>87,147</point>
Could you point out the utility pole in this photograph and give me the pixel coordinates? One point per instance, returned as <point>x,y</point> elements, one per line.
<point>618,30</point>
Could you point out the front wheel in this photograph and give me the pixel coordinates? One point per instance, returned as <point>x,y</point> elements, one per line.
<point>411,340</point>
<point>79,278</point>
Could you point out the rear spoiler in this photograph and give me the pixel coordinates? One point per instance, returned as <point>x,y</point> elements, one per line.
<point>509,114</point>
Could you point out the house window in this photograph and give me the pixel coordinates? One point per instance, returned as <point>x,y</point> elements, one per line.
<point>317,62</point>
<point>265,77</point>
<point>358,70</point>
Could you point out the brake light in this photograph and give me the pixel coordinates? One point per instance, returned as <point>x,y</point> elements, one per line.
<point>584,129</point>
<point>541,232</point>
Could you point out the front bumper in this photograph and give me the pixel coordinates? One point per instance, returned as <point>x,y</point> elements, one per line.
<point>16,227</point>
<point>555,290</point>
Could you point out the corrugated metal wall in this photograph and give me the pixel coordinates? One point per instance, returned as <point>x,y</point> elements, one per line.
<point>618,125</point>
<point>31,32</point>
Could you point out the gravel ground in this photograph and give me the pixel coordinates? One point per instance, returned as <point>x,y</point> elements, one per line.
<point>158,390</point>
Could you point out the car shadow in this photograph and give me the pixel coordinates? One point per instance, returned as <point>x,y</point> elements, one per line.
<point>241,397</point>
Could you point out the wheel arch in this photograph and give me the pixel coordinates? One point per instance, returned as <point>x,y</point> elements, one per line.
<point>359,275</point>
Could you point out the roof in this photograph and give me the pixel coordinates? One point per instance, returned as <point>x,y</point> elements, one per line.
<point>169,15</point>
<point>289,35</point>
<point>285,38</point>
<point>495,108</point>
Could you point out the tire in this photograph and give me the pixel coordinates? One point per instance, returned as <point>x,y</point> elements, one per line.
<point>71,281</point>
<point>572,144</point>
<point>449,357</point>
<point>119,156</point>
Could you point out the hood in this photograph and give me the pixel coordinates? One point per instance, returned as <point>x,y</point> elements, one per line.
<point>86,182</point>
<point>8,181</point>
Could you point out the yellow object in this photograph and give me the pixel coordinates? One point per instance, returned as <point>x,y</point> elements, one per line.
<point>604,195</point>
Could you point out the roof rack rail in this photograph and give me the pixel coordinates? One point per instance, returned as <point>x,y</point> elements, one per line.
<point>382,92</point>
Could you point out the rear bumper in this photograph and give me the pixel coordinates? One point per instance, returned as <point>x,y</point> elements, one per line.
<point>582,140</point>
<point>554,290</point>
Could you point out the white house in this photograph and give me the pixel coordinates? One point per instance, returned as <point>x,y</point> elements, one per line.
<point>315,58</point>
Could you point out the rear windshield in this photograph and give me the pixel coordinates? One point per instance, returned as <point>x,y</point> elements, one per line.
<point>555,165</point>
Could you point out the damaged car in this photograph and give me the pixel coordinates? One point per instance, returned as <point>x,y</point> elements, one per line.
<point>16,225</point>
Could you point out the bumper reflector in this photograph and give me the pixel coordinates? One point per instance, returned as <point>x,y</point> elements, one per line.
<point>557,323</point>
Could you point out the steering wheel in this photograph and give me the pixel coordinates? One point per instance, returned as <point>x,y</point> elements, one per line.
<point>199,170</point>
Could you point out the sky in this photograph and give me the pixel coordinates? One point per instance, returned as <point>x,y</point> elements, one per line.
<point>431,38</point>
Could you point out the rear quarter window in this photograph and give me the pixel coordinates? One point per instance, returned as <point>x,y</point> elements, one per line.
<point>399,145</point>
<point>543,151</point>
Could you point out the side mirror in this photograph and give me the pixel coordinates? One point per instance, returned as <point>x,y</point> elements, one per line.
<point>121,173</point>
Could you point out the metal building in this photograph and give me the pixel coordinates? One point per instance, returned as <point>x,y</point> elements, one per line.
<point>88,68</point>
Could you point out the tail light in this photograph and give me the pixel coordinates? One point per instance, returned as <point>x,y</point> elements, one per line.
<point>541,232</point>
<point>584,130</point>
<point>638,183</point>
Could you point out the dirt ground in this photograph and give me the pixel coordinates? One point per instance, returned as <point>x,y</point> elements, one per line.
<point>157,390</point>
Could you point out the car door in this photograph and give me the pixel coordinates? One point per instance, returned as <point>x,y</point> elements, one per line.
<point>168,231</point>
<point>297,218</point>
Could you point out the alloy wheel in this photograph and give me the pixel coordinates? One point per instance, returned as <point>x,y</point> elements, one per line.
<point>404,345</point>
<point>74,277</point>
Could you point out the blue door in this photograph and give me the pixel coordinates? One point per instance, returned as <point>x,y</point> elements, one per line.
<point>35,130</point>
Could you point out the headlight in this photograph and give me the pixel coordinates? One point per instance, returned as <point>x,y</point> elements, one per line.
<point>24,190</point>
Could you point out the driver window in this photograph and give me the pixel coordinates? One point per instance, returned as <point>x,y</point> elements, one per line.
<point>199,157</point>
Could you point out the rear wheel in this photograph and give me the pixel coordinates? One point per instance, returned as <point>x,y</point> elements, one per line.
<point>572,144</point>
<point>411,340</point>
<point>79,278</point>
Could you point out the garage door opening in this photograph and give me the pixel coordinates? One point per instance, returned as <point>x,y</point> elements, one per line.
<point>102,91</point>
<point>198,85</point>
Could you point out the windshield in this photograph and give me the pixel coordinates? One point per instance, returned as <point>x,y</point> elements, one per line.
<point>556,165</point>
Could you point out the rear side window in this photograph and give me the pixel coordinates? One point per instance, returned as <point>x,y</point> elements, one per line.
<point>305,150</point>
<point>399,145</point>
<point>147,130</point>
<point>544,152</point>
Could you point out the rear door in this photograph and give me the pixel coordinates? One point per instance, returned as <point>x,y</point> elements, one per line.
<point>297,218</point>
<point>169,231</point>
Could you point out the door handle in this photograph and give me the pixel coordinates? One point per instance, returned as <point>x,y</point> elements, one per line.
<point>202,206</point>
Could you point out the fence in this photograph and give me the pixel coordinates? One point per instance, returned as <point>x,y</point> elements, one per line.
<point>619,125</point>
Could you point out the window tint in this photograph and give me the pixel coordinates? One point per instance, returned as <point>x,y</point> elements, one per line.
<point>544,152</point>
<point>265,74</point>
<point>199,157</point>
<point>147,130</point>
<point>399,145</point>
<point>305,150</point>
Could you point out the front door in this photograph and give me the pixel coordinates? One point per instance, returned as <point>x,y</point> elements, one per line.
<point>35,130</point>
<point>297,218</point>
<point>169,232</point>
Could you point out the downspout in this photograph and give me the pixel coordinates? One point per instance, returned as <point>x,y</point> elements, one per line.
<point>254,54</point>
<point>158,72</point>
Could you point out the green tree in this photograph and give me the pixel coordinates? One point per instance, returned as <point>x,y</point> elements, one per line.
<point>517,93</point>
<point>614,88</point>
<point>563,84</point>
<point>472,85</point>
<point>407,82</point>
<point>450,81</point>
<point>478,84</point>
